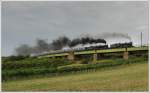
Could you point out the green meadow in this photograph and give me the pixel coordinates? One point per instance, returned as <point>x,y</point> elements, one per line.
<point>131,77</point>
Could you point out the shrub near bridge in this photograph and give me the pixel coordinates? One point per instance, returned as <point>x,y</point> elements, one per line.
<point>78,67</point>
<point>84,61</point>
<point>73,67</point>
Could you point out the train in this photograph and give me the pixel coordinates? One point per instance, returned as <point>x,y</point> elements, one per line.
<point>105,46</point>
<point>90,47</point>
<point>121,45</point>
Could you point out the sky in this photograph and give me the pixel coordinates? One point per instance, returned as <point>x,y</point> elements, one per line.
<point>24,22</point>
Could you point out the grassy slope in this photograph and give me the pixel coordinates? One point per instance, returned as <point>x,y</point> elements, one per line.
<point>132,77</point>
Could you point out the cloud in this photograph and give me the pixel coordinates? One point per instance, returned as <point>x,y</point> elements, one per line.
<point>23,22</point>
<point>143,27</point>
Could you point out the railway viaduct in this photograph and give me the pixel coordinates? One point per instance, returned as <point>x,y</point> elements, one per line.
<point>72,55</point>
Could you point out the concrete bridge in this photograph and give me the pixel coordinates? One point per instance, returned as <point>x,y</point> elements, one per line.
<point>71,55</point>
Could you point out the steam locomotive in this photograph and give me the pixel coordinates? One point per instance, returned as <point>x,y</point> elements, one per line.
<point>121,45</point>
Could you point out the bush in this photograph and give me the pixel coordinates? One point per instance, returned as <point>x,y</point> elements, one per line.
<point>27,72</point>
<point>78,67</point>
<point>13,58</point>
<point>73,67</point>
<point>84,61</point>
<point>59,62</point>
<point>35,62</point>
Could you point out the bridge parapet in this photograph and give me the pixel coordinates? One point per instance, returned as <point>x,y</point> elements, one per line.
<point>71,55</point>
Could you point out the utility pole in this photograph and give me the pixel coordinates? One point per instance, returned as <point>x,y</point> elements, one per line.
<point>141,39</point>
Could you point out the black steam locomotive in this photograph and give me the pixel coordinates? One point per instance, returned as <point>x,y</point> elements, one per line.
<point>121,45</point>
<point>116,45</point>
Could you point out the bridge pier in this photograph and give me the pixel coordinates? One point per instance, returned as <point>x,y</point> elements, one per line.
<point>95,57</point>
<point>53,57</point>
<point>71,56</point>
<point>126,55</point>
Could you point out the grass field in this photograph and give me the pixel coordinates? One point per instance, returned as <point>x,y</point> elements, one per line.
<point>133,77</point>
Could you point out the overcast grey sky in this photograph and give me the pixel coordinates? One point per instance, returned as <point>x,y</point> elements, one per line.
<point>24,22</point>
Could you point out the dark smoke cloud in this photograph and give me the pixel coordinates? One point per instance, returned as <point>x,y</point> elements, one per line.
<point>23,50</point>
<point>60,42</point>
<point>41,46</point>
<point>57,44</point>
<point>86,40</point>
<point>63,41</point>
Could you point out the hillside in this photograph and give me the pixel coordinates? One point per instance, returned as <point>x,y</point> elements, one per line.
<point>131,77</point>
